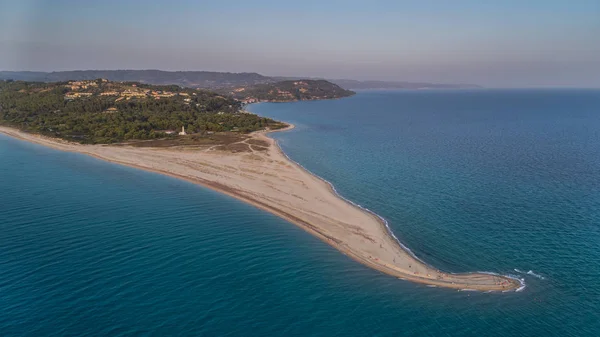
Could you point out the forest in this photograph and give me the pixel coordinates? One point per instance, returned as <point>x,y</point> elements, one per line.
<point>291,90</point>
<point>111,112</point>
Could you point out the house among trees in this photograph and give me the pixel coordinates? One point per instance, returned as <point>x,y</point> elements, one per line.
<point>182,133</point>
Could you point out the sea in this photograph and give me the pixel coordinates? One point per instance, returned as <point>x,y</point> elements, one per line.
<point>504,181</point>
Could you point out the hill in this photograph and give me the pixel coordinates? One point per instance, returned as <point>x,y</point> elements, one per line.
<point>286,91</point>
<point>207,79</point>
<point>354,84</point>
<point>101,111</point>
<point>192,79</point>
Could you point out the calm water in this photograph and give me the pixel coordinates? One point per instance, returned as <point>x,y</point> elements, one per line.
<point>469,180</point>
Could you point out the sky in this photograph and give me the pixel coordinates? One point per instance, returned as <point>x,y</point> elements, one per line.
<point>506,43</point>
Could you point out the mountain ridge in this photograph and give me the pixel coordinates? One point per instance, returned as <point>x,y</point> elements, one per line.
<point>208,79</point>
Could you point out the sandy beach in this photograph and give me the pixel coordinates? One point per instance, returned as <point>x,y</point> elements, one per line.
<point>267,179</point>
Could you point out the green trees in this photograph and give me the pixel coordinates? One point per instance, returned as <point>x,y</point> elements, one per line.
<point>42,108</point>
<point>297,90</point>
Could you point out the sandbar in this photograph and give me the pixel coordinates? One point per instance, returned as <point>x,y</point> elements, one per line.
<point>267,179</point>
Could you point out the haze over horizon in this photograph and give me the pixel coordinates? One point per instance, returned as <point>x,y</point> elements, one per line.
<point>508,44</point>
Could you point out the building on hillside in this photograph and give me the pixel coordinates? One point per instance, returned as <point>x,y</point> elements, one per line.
<point>159,94</point>
<point>182,133</point>
<point>129,93</point>
<point>74,95</point>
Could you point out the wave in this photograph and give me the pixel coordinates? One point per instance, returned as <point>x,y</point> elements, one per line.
<point>530,272</point>
<point>536,275</point>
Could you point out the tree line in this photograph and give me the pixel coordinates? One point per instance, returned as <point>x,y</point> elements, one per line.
<point>42,108</point>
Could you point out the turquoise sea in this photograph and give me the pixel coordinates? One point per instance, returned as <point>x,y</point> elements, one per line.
<point>504,181</point>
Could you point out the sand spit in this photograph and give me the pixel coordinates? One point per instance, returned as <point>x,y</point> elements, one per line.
<point>267,179</point>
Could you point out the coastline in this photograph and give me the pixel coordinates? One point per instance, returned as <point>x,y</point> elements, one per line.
<point>273,182</point>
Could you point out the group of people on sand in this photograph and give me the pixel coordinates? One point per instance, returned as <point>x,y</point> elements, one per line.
<point>502,283</point>
<point>439,276</point>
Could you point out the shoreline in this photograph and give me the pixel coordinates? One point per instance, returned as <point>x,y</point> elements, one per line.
<point>294,199</point>
<point>385,224</point>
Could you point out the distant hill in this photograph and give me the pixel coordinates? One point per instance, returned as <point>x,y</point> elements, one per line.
<point>354,84</point>
<point>248,87</point>
<point>206,79</point>
<point>192,79</point>
<point>285,91</point>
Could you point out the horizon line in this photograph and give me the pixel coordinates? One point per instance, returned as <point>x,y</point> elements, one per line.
<point>476,86</point>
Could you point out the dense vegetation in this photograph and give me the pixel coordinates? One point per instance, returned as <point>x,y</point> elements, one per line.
<point>48,108</point>
<point>292,90</point>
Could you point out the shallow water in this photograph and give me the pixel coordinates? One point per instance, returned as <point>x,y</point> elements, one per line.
<point>502,181</point>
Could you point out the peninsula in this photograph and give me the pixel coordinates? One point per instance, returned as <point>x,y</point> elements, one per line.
<point>288,91</point>
<point>246,165</point>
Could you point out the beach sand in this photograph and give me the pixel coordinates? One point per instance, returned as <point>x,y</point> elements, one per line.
<point>267,179</point>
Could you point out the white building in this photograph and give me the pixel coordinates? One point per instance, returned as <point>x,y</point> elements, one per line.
<point>182,133</point>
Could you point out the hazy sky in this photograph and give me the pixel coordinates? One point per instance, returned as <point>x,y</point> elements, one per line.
<point>487,42</point>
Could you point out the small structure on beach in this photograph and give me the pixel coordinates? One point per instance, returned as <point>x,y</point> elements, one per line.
<point>182,133</point>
